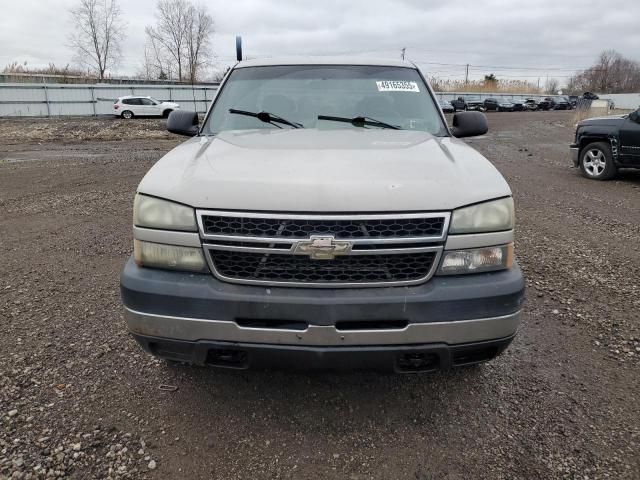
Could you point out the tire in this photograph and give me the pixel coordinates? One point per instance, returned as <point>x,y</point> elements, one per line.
<point>127,114</point>
<point>596,161</point>
<point>166,113</point>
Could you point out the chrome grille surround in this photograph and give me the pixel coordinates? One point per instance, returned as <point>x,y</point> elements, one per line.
<point>384,246</point>
<point>298,228</point>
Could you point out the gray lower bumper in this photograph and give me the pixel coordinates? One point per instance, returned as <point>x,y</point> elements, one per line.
<point>195,329</point>
<point>574,154</point>
<point>197,307</point>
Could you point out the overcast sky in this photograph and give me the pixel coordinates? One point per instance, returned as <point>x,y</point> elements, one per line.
<point>509,38</point>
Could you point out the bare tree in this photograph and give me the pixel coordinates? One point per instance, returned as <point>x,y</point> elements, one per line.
<point>199,29</point>
<point>552,86</point>
<point>612,73</point>
<point>99,31</point>
<point>157,64</point>
<point>218,76</point>
<point>182,34</point>
<point>169,31</point>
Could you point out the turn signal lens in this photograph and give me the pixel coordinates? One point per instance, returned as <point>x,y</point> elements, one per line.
<point>477,260</point>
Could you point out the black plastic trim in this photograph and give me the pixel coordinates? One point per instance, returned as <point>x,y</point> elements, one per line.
<point>396,358</point>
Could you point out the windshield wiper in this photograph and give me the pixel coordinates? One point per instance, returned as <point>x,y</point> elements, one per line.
<point>359,121</point>
<point>267,117</point>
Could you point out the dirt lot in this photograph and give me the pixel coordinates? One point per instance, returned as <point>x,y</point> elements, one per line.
<point>79,399</point>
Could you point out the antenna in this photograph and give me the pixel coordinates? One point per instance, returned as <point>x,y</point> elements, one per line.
<point>402,54</point>
<point>238,48</point>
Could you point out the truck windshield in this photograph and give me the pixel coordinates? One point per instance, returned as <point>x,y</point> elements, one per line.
<point>301,93</point>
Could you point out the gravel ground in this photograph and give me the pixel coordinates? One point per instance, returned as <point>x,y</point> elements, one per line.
<point>79,399</point>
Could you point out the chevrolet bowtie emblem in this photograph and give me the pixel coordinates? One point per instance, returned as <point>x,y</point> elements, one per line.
<point>322,247</point>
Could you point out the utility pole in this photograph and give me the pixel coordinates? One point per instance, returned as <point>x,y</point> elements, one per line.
<point>466,75</point>
<point>403,50</point>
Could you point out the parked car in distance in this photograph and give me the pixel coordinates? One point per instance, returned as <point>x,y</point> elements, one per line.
<point>474,102</point>
<point>135,106</point>
<point>498,104</point>
<point>446,106</point>
<point>530,104</point>
<point>603,145</point>
<point>491,104</point>
<point>590,96</point>
<point>546,104</point>
<point>573,100</point>
<point>505,105</point>
<point>518,104</point>
<point>459,104</point>
<point>561,103</point>
<point>324,216</point>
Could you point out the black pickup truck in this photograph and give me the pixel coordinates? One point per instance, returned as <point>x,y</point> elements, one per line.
<point>471,102</point>
<point>459,104</point>
<point>604,144</point>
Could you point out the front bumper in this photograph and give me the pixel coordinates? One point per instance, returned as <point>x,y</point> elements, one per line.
<point>397,358</point>
<point>189,317</point>
<point>575,152</point>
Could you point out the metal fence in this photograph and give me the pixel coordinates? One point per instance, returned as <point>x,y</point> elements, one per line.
<point>48,100</point>
<point>625,101</point>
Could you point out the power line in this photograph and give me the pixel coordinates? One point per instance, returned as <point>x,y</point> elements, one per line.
<point>545,54</point>
<point>496,67</point>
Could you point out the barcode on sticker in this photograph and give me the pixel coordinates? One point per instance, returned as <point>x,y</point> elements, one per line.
<point>397,86</point>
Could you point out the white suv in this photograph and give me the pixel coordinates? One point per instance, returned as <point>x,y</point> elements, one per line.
<point>131,106</point>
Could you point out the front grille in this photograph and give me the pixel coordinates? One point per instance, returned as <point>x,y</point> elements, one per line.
<point>316,250</point>
<point>302,228</point>
<point>249,266</point>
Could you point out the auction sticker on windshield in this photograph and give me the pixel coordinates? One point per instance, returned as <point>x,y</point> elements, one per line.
<point>397,86</point>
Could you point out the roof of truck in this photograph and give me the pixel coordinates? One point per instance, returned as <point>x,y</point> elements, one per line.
<point>312,60</point>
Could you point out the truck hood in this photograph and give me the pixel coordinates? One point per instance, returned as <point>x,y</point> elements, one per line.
<point>310,170</point>
<point>609,120</point>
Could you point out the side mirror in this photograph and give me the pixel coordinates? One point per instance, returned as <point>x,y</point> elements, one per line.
<point>469,124</point>
<point>183,122</point>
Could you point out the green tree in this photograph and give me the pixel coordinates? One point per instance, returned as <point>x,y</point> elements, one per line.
<point>491,81</point>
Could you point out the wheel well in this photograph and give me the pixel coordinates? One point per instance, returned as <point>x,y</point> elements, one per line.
<point>166,112</point>
<point>612,141</point>
<point>584,141</point>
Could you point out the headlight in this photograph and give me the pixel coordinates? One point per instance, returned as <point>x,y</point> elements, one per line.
<point>153,212</point>
<point>493,216</point>
<point>172,257</point>
<point>477,260</point>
